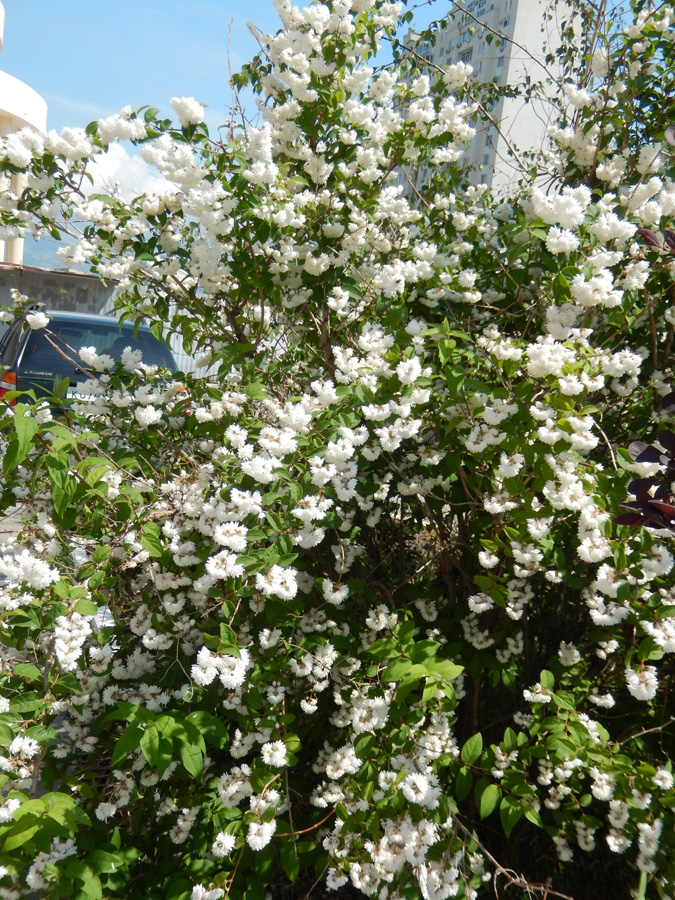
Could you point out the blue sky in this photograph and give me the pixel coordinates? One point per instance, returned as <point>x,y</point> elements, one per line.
<point>90,58</point>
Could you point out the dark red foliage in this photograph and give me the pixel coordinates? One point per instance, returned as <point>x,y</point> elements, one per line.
<point>654,506</point>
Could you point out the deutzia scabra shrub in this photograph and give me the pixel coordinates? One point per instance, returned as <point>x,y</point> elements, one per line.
<point>349,609</point>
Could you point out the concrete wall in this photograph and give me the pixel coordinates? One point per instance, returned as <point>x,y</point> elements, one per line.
<point>20,106</point>
<point>57,289</point>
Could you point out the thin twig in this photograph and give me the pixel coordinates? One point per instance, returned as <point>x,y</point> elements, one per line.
<point>305,830</point>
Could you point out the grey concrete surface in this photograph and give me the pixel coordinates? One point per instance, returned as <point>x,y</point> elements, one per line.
<point>10,523</point>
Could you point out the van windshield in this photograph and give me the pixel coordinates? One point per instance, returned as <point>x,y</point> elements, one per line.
<point>49,355</point>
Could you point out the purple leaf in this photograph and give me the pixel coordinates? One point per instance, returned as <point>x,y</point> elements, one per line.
<point>630,519</point>
<point>636,448</point>
<point>669,238</point>
<point>668,402</point>
<point>667,440</point>
<point>641,486</point>
<point>649,237</point>
<point>666,509</point>
<point>647,454</point>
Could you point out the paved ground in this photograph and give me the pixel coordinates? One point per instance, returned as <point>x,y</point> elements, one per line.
<point>11,523</point>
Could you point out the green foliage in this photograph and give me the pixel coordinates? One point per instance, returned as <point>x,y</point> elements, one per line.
<point>349,602</point>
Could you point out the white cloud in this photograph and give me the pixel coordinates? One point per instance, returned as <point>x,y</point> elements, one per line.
<point>124,173</point>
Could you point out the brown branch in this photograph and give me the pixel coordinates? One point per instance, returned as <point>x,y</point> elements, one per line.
<point>305,830</point>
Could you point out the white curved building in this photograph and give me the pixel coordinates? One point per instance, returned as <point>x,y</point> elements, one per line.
<point>20,105</point>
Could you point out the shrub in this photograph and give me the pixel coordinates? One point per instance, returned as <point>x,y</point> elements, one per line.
<point>352,608</point>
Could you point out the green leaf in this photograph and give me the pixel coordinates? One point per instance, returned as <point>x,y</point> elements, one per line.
<point>130,740</point>
<point>43,734</point>
<point>487,797</point>
<point>91,886</point>
<point>210,726</point>
<point>28,702</point>
<point>398,669</point>
<point>510,813</point>
<point>27,671</point>
<point>289,859</point>
<point>101,553</point>
<point>254,391</point>
<point>151,539</point>
<point>385,648</point>
<point>192,759</point>
<point>424,650</point>
<point>443,667</point>
<point>363,744</point>
<point>564,700</point>
<point>21,832</point>
<point>547,680</point>
<point>64,485</point>
<point>11,458</point>
<point>533,816</point>
<point>86,607</point>
<point>149,745</point>
<point>463,784</point>
<point>26,426</point>
<point>472,749</point>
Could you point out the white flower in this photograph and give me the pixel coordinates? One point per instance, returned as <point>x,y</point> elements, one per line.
<point>561,240</point>
<point>187,109</point>
<point>199,892</point>
<point>37,320</point>
<point>98,362</point>
<point>260,834</point>
<point>538,694</point>
<point>232,535</point>
<point>223,844</point>
<point>131,359</point>
<point>603,784</point>
<point>487,559</point>
<point>409,370</point>
<point>568,654</point>
<point>643,684</point>
<point>421,789</point>
<point>105,810</point>
<point>277,582</point>
<point>25,746</point>
<point>274,754</point>
<point>663,779</point>
<point>7,810</point>
<point>147,416</point>
<point>224,565</point>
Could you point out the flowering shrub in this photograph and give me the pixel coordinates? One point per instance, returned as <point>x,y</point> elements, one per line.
<point>354,609</point>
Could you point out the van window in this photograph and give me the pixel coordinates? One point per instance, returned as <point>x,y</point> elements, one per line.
<point>55,353</point>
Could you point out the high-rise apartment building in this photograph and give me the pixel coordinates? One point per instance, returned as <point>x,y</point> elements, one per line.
<point>503,41</point>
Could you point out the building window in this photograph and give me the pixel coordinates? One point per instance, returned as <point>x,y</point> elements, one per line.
<point>466,57</point>
<point>481,47</point>
<point>506,23</point>
<point>500,62</point>
<point>479,66</point>
<point>464,37</point>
